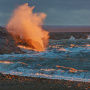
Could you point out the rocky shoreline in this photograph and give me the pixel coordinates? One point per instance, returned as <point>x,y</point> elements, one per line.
<point>67,35</point>
<point>9,45</point>
<point>14,82</point>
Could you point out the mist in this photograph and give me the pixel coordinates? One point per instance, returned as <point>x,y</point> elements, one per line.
<point>28,26</point>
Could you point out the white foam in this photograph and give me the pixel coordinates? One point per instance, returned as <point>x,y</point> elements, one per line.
<point>15,63</point>
<point>53,74</point>
<point>72,38</point>
<point>88,37</point>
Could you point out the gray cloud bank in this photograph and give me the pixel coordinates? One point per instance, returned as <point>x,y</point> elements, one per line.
<point>59,12</point>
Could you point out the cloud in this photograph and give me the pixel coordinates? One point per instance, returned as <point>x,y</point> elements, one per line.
<point>9,5</point>
<point>58,11</point>
<point>70,17</point>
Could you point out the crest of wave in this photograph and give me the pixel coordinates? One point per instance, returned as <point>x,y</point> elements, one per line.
<point>27,26</point>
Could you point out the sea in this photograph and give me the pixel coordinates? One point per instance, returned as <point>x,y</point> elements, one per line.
<point>67,59</point>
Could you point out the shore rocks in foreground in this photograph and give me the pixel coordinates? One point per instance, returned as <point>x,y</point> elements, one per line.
<point>14,82</point>
<point>7,43</point>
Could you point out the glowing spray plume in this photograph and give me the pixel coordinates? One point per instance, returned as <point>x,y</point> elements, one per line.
<point>26,24</point>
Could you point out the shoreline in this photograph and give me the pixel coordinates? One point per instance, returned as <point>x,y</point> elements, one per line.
<point>16,82</point>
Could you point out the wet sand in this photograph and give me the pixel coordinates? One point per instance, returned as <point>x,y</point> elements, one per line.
<point>14,82</point>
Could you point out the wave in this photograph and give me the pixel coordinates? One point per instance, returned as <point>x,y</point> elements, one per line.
<point>63,59</point>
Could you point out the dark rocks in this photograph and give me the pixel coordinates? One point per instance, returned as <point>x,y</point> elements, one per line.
<point>67,35</point>
<point>7,43</point>
<point>2,76</point>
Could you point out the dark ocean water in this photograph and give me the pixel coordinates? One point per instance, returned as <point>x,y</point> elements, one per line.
<point>67,59</point>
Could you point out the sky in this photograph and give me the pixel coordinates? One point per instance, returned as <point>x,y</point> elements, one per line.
<point>59,12</point>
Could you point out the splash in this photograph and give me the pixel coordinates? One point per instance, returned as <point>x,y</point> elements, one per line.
<point>27,26</point>
<point>88,37</point>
